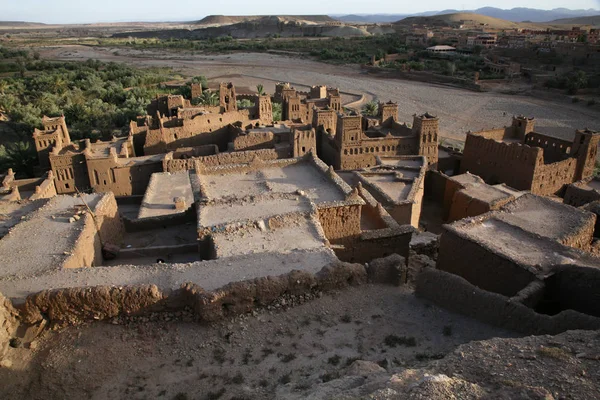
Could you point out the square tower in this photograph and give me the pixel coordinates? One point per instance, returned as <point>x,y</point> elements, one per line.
<point>522,126</point>
<point>388,112</point>
<point>426,129</point>
<point>227,99</point>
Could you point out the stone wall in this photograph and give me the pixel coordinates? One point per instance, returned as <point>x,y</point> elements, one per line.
<point>8,324</point>
<point>481,267</point>
<point>457,294</point>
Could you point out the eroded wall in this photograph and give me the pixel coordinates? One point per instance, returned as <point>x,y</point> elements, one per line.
<point>480,266</point>
<point>107,228</point>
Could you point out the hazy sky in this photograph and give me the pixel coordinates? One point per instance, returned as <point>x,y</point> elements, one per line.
<point>80,11</point>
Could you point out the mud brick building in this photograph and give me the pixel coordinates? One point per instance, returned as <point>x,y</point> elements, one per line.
<point>300,106</point>
<point>354,142</point>
<point>526,160</point>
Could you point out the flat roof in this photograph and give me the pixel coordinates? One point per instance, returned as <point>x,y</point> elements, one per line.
<point>101,149</point>
<point>292,232</point>
<point>129,161</point>
<point>537,254</point>
<point>389,183</point>
<point>251,208</point>
<point>272,178</point>
<point>45,240</point>
<point>210,274</point>
<point>545,217</point>
<point>14,212</point>
<point>486,193</point>
<point>162,189</point>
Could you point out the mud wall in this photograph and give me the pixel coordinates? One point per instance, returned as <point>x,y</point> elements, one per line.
<point>463,206</point>
<point>375,244</point>
<point>253,141</point>
<point>236,157</point>
<point>8,324</point>
<point>576,288</point>
<point>340,221</point>
<point>498,162</point>
<point>577,196</point>
<point>45,189</point>
<point>199,130</point>
<point>457,294</point>
<point>77,305</point>
<point>549,179</point>
<point>87,251</point>
<point>480,266</point>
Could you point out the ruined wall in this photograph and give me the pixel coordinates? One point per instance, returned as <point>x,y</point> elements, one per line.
<point>87,250</point>
<point>8,324</point>
<point>77,305</point>
<point>253,140</point>
<point>304,140</point>
<point>69,171</point>
<point>200,130</point>
<point>463,205</point>
<point>340,221</point>
<point>555,149</point>
<point>375,244</point>
<point>435,185</point>
<point>582,238</point>
<point>495,134</point>
<point>498,162</point>
<point>108,175</point>
<point>481,267</point>
<point>237,157</point>
<point>575,288</point>
<point>363,153</point>
<point>550,179</point>
<point>577,196</point>
<point>45,189</point>
<point>458,295</point>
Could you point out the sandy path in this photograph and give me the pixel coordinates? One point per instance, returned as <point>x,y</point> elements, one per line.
<point>459,110</point>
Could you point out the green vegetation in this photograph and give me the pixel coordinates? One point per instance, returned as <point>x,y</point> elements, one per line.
<point>245,103</point>
<point>335,50</point>
<point>96,98</point>
<point>207,98</point>
<point>20,156</point>
<point>370,109</point>
<point>572,81</point>
<point>277,112</point>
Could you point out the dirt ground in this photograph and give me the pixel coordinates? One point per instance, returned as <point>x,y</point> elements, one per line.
<point>459,110</point>
<point>252,357</point>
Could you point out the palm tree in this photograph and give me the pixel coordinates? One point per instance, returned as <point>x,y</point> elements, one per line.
<point>371,109</point>
<point>19,156</point>
<point>208,98</point>
<point>260,89</point>
<point>3,86</point>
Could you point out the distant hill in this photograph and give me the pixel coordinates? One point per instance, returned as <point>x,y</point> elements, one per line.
<point>19,24</point>
<point>221,20</point>
<point>519,14</point>
<point>594,21</point>
<point>453,20</point>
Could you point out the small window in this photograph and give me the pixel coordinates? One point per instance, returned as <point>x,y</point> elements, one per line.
<point>67,186</point>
